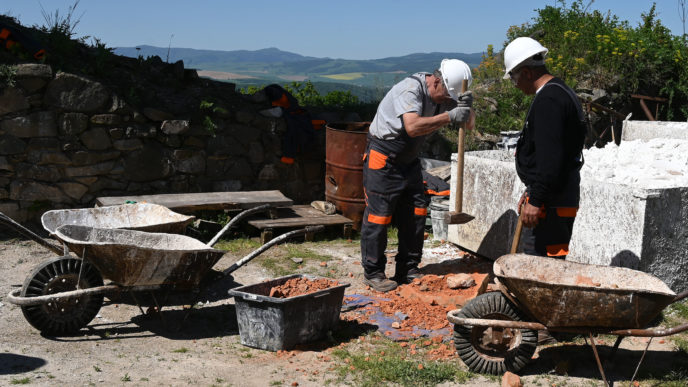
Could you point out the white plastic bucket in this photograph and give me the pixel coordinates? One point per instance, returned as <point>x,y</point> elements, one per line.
<point>438,209</point>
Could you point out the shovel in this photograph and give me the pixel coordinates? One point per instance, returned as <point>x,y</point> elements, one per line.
<point>457,216</point>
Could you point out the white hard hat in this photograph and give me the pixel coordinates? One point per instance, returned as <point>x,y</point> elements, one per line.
<point>519,51</point>
<point>454,71</point>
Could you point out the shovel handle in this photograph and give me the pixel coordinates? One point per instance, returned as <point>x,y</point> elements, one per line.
<point>517,233</point>
<point>458,199</point>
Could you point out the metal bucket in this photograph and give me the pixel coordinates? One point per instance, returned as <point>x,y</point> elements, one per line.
<point>345,145</point>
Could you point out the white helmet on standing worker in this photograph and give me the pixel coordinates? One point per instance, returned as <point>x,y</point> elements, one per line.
<point>521,52</point>
<point>454,71</point>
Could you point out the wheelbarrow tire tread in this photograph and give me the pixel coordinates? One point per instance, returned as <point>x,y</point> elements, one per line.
<point>492,305</point>
<point>59,275</point>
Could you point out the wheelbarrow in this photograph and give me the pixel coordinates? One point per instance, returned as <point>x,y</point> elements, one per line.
<point>497,331</point>
<point>64,294</point>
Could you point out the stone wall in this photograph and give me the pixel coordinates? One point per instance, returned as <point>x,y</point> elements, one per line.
<point>66,139</point>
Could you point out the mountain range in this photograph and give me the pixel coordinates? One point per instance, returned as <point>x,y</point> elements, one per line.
<point>365,78</point>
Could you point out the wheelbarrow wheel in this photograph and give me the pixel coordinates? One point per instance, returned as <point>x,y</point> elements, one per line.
<point>493,350</point>
<point>65,316</point>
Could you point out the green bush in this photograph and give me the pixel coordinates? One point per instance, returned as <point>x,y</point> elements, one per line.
<point>596,50</point>
<point>589,49</point>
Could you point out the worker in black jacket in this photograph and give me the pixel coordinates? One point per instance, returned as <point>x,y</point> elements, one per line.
<point>549,150</point>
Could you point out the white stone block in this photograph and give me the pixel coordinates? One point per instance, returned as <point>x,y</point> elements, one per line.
<point>618,224</point>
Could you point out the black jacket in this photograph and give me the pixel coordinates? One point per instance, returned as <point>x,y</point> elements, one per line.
<point>548,154</point>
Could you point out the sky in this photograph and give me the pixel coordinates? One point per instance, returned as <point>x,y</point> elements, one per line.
<point>348,29</point>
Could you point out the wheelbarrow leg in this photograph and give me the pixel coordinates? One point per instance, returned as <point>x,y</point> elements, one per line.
<point>641,359</point>
<point>597,358</point>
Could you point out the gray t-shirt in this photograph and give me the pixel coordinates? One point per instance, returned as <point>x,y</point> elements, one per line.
<point>407,96</point>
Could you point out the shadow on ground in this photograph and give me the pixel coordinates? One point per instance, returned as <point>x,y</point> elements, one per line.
<point>12,363</point>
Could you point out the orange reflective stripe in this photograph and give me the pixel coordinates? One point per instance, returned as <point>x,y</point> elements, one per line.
<point>379,219</point>
<point>557,250</point>
<point>420,211</point>
<point>365,155</point>
<point>40,54</point>
<point>567,212</point>
<point>4,33</point>
<point>377,160</point>
<point>283,101</point>
<point>441,193</point>
<point>287,160</point>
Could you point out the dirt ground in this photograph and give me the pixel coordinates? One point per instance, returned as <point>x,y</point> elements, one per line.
<point>122,346</point>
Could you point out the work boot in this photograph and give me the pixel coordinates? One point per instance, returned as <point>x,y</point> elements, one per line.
<point>380,283</point>
<point>407,276</point>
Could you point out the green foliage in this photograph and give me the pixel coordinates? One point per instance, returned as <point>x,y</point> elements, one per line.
<point>7,75</point>
<point>597,50</point>
<point>392,366</point>
<point>499,105</point>
<point>589,49</point>
<point>210,107</point>
<point>59,30</point>
<point>307,95</point>
<point>25,380</point>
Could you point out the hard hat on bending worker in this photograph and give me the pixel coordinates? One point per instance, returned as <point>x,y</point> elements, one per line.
<point>523,51</point>
<point>454,71</point>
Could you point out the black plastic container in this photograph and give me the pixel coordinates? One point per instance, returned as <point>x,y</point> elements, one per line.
<point>281,323</point>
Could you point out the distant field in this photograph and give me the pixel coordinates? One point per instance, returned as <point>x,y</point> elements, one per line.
<point>221,75</point>
<point>344,76</point>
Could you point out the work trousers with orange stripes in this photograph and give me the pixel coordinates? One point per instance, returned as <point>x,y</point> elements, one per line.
<point>394,195</point>
<point>551,236</point>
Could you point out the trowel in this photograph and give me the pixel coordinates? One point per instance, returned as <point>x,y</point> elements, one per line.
<point>457,216</point>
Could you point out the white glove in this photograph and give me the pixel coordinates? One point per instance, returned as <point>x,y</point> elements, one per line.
<point>459,114</point>
<point>465,99</point>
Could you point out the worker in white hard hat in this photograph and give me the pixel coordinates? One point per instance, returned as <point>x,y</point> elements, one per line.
<point>412,110</point>
<point>548,154</point>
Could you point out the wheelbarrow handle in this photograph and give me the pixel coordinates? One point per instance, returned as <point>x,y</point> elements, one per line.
<point>261,249</point>
<point>680,296</point>
<point>6,220</point>
<point>235,220</point>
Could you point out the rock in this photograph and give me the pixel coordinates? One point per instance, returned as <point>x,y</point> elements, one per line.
<point>39,124</point>
<point>189,161</point>
<point>5,165</point>
<point>128,145</point>
<point>326,208</point>
<point>72,124</point>
<point>33,76</point>
<point>74,93</point>
<point>43,144</point>
<point>106,119</point>
<point>34,191</point>
<point>149,163</point>
<point>49,157</point>
<point>12,100</point>
<point>80,158</point>
<point>174,126</point>
<point>156,115</point>
<point>73,190</point>
<point>255,152</point>
<point>96,139</point>
<point>510,379</point>
<point>460,281</point>
<point>396,325</point>
<point>11,145</point>
<point>227,186</point>
<point>297,260</point>
<point>91,170</point>
<point>38,172</point>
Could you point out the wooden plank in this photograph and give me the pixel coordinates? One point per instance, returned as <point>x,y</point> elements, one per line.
<point>299,216</point>
<point>191,202</point>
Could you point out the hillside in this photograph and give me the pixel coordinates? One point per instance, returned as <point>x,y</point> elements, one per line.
<point>274,65</point>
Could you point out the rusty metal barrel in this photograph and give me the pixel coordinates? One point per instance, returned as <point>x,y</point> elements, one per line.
<point>345,145</point>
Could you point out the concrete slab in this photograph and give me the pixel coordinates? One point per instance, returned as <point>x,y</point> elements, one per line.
<point>645,130</point>
<point>618,224</point>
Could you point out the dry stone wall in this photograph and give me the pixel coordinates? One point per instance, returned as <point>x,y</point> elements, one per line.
<point>66,139</point>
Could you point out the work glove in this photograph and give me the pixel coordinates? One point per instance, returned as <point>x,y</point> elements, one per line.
<point>462,111</point>
<point>465,99</point>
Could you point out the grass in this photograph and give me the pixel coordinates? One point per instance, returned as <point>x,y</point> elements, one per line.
<point>25,380</point>
<point>280,263</point>
<point>238,245</point>
<point>344,76</point>
<point>181,350</point>
<point>388,362</point>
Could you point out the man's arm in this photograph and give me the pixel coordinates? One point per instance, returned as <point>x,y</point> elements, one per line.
<point>416,125</point>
